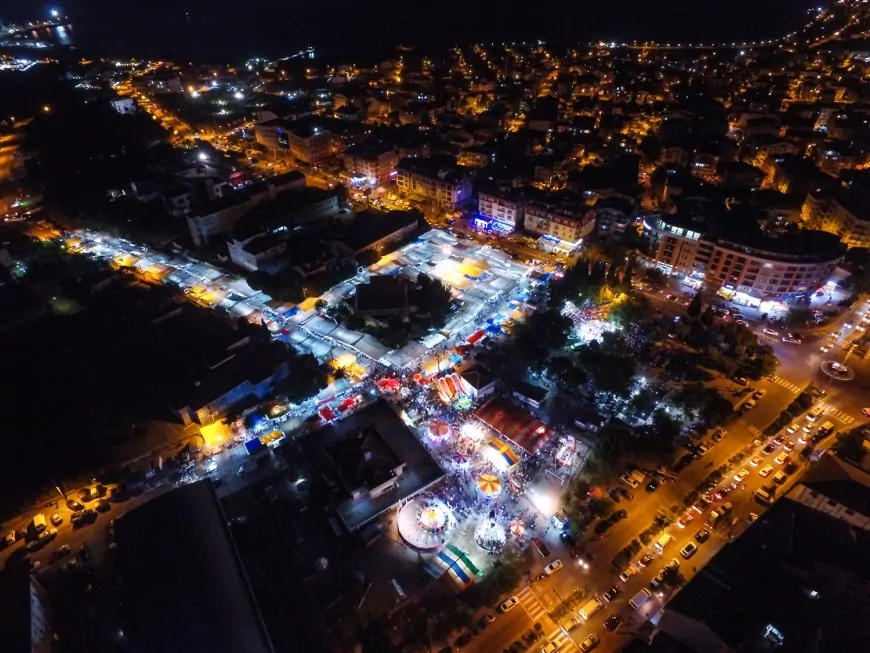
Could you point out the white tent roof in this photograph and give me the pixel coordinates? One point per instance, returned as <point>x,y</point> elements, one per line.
<point>320,326</point>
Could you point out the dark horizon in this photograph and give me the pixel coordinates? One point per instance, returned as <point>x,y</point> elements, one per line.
<point>218,30</point>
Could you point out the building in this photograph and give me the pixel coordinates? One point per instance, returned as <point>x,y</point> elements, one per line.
<point>437,179</point>
<point>273,135</point>
<point>309,142</point>
<point>797,579</point>
<point>377,462</point>
<point>500,210</point>
<point>748,268</point>
<point>25,615</point>
<point>562,227</point>
<point>258,251</point>
<point>303,139</point>
<point>373,160</point>
<point>842,213</point>
<point>376,231</point>
<point>183,586</point>
<point>125,106</point>
<point>613,215</point>
<point>219,216</point>
<point>479,383</point>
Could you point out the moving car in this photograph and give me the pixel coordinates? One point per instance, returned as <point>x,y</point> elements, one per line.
<point>770,447</point>
<point>652,486</point>
<point>758,394</point>
<point>765,471</point>
<point>791,429</point>
<point>612,622</point>
<point>645,560</point>
<point>719,434</point>
<point>748,405</point>
<point>612,593</point>
<point>685,520</point>
<point>769,331</point>
<point>702,536</point>
<point>689,550</point>
<point>485,621</point>
<point>755,461</point>
<point>781,458</point>
<point>589,643</point>
<point>779,478</point>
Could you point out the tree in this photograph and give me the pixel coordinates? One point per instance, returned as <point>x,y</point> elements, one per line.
<point>694,307</point>
<point>708,317</point>
<point>850,445</point>
<point>799,316</point>
<point>650,147</point>
<point>672,578</point>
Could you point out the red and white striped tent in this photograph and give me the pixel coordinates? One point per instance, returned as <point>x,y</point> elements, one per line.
<point>513,423</point>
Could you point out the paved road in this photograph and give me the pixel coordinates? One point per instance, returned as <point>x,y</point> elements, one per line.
<point>642,509</point>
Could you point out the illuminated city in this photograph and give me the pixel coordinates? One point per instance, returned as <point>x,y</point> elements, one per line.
<point>492,346</point>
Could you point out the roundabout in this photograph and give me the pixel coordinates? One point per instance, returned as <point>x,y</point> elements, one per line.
<point>837,371</point>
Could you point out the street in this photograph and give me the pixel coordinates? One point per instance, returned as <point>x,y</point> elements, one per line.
<point>544,595</point>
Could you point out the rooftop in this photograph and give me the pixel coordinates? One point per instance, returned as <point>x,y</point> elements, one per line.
<point>421,471</point>
<point>183,585</point>
<point>364,459</point>
<point>443,168</point>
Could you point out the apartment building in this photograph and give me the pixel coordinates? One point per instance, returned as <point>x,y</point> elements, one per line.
<point>376,161</point>
<point>436,179</point>
<point>840,213</point>
<point>746,269</point>
<point>562,228</point>
<point>501,210</point>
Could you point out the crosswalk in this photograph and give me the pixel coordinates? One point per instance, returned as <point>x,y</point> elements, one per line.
<point>531,604</point>
<point>836,413</point>
<point>562,640</point>
<point>788,385</point>
<point>754,431</point>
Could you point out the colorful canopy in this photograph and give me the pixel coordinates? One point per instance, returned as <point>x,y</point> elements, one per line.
<point>517,527</point>
<point>387,386</point>
<point>514,423</point>
<point>439,429</point>
<point>489,484</point>
<point>460,570</point>
<point>507,454</point>
<point>460,458</point>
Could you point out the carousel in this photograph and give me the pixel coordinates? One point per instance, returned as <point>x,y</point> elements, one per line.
<point>439,430</point>
<point>489,484</point>
<point>425,523</point>
<point>490,534</point>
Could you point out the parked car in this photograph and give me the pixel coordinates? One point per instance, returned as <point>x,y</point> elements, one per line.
<point>485,621</point>
<point>553,567</point>
<point>685,520</point>
<point>612,622</point>
<point>56,519</point>
<point>702,536</point>
<point>589,643</point>
<point>718,435</point>
<point>652,486</point>
<point>509,604</point>
<point>765,471</point>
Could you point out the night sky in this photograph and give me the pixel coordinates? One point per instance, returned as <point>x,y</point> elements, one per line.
<point>237,29</point>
